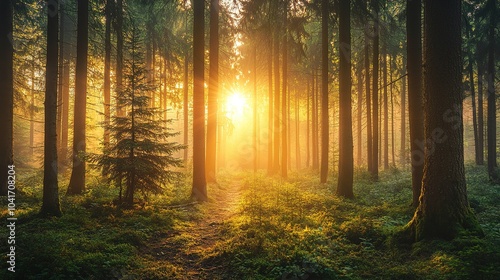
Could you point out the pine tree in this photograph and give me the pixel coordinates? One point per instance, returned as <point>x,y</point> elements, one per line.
<point>139,153</point>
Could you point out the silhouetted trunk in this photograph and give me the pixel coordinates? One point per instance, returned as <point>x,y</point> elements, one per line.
<point>444,209</point>
<point>255,122</point>
<point>308,124</point>
<point>50,201</point>
<point>7,95</point>
<point>297,131</point>
<point>386,106</point>
<point>415,95</point>
<point>107,71</point>
<point>359,78</point>
<point>392,112</point>
<point>375,104</point>
<point>480,113</point>
<point>199,180</point>
<point>324,90</point>
<point>60,83</point>
<point>77,180</point>
<point>119,54</point>
<point>284,111</point>
<point>270,107</point>
<point>345,178</point>
<point>402,151</point>
<point>492,129</point>
<point>315,132</point>
<point>185,104</point>
<point>369,130</point>
<point>213,89</point>
<point>277,130</point>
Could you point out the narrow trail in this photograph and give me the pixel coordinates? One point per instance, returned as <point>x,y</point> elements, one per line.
<point>187,246</point>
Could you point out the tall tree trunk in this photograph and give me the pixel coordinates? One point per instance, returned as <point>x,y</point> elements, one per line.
<point>444,209</point>
<point>359,78</point>
<point>297,131</point>
<point>185,108</point>
<point>32,109</point>
<point>369,130</point>
<point>60,82</point>
<point>308,120</point>
<point>392,111</point>
<point>492,129</point>
<point>107,71</point>
<point>213,89</point>
<point>315,107</point>
<point>480,113</point>
<point>77,180</point>
<point>277,130</point>
<point>345,178</point>
<point>270,107</point>
<point>402,151</point>
<point>474,114</point>
<point>199,180</point>
<point>375,104</point>
<point>415,96</point>
<point>386,106</point>
<point>324,91</point>
<point>119,54</point>
<point>7,95</point>
<point>284,111</point>
<point>255,122</point>
<point>50,201</point>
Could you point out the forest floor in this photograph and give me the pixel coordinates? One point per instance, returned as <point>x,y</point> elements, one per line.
<point>188,244</point>
<point>253,227</point>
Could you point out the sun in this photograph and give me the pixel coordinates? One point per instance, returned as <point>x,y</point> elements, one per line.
<point>236,104</point>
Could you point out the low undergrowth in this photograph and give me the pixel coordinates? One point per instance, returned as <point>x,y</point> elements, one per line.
<point>293,229</point>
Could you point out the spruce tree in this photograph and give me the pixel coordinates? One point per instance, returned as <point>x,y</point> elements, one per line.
<point>139,155</point>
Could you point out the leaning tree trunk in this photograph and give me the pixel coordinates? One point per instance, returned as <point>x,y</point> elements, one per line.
<point>7,95</point>
<point>50,201</point>
<point>444,209</point>
<point>77,180</point>
<point>199,190</point>
<point>415,97</point>
<point>345,178</point>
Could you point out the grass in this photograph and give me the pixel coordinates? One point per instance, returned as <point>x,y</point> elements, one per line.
<point>294,229</point>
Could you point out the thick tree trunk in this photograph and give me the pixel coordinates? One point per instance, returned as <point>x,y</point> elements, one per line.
<point>444,209</point>
<point>7,95</point>
<point>213,89</point>
<point>324,91</point>
<point>77,180</point>
<point>415,96</point>
<point>375,104</point>
<point>345,179</point>
<point>199,190</point>
<point>50,201</point>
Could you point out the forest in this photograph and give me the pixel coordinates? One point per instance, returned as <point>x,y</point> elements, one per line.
<point>240,139</point>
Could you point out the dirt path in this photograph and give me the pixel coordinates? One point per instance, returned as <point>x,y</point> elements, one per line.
<point>188,245</point>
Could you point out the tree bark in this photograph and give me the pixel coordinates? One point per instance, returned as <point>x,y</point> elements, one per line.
<point>284,111</point>
<point>50,200</point>
<point>444,209</point>
<point>369,131</point>
<point>386,106</point>
<point>270,107</point>
<point>345,179</point>
<point>375,104</point>
<point>277,130</point>
<point>480,113</point>
<point>324,91</point>
<point>7,95</point>
<point>402,151</point>
<point>107,72</point>
<point>199,190</point>
<point>359,112</point>
<point>415,96</point>
<point>492,136</point>
<point>213,89</point>
<point>119,54</point>
<point>77,180</point>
